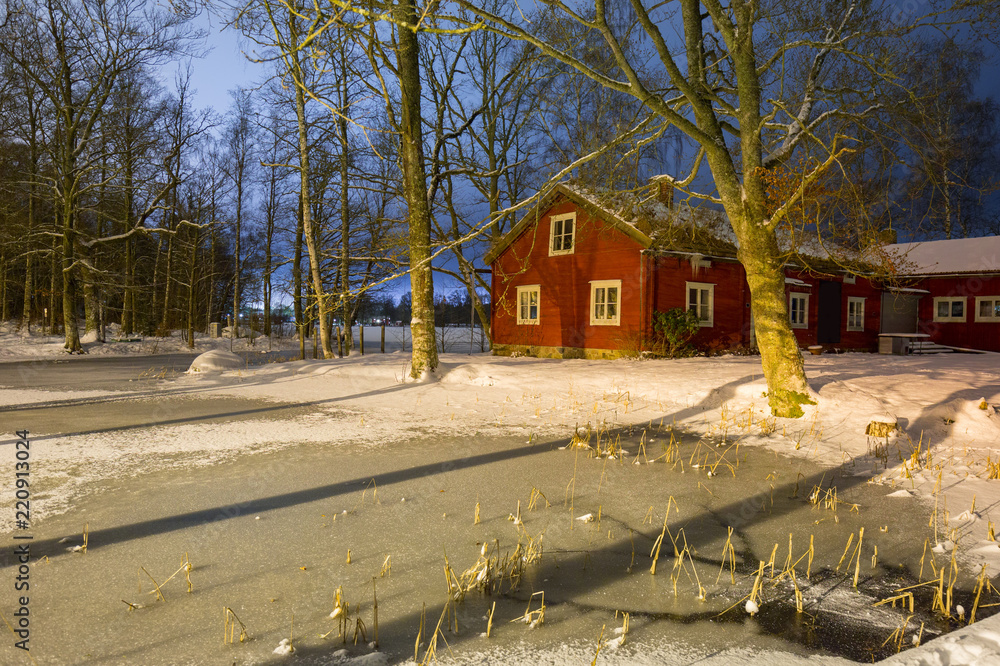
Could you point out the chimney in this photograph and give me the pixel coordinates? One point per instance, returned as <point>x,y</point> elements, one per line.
<point>663,190</point>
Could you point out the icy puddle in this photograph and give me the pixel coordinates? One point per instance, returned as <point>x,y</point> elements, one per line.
<point>272,537</point>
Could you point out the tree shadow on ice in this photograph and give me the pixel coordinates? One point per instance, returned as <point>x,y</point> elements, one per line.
<point>163,414</point>
<point>604,565</point>
<point>274,502</point>
<point>597,579</point>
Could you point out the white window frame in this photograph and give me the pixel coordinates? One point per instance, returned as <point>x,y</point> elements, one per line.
<point>688,286</point>
<point>792,295</point>
<point>991,318</point>
<point>950,300</point>
<point>859,313</point>
<point>552,234</point>
<point>530,289</point>
<point>605,284</point>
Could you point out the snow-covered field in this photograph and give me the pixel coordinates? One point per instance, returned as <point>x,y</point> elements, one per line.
<point>943,453</point>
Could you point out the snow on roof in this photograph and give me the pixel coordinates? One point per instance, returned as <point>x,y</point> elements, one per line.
<point>682,226</point>
<point>672,228</point>
<point>959,255</point>
<point>795,282</point>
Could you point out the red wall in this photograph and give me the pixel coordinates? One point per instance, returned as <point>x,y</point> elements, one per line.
<point>601,252</point>
<point>732,317</point>
<point>970,333</point>
<point>732,298</point>
<point>648,283</point>
<point>862,288</point>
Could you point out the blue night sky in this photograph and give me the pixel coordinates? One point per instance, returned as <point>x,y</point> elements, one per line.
<point>224,68</point>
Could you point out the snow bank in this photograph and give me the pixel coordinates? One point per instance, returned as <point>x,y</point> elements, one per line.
<point>217,360</point>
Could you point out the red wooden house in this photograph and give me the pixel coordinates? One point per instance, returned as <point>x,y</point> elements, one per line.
<point>581,276</point>
<point>953,292</point>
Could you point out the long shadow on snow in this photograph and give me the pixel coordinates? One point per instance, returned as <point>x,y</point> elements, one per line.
<point>117,396</point>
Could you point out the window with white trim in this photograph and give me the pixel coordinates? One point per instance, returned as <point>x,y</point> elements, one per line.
<point>988,308</point>
<point>798,310</point>
<point>527,304</point>
<point>949,309</point>
<point>701,301</point>
<point>605,302</point>
<point>562,234</point>
<point>855,314</point>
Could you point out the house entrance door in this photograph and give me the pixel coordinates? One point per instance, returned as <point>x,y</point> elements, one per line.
<point>829,313</point>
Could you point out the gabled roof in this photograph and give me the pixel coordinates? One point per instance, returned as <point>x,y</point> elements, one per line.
<point>652,224</point>
<point>673,229</point>
<point>959,255</point>
<point>587,203</point>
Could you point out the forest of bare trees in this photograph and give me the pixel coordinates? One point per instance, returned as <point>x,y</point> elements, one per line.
<point>389,140</point>
<point>125,208</point>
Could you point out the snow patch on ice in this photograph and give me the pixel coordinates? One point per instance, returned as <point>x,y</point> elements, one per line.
<point>284,648</point>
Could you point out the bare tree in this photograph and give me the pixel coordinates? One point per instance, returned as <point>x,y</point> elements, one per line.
<point>282,26</point>
<point>952,138</point>
<point>750,84</point>
<point>88,46</point>
<point>239,166</point>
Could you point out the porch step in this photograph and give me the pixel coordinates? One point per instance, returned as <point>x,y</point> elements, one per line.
<point>928,347</point>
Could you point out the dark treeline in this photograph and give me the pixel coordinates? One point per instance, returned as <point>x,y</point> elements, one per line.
<point>125,211</point>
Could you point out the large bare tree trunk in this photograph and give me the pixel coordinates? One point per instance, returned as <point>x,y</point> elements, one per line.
<point>345,228</point>
<point>237,249</point>
<point>424,357</point>
<point>128,299</point>
<point>779,349</point>
<point>312,242</point>
<point>5,309</point>
<point>29,288</point>
<point>54,286</point>
<point>91,305</point>
<point>192,281</point>
<point>165,320</point>
<point>211,262</point>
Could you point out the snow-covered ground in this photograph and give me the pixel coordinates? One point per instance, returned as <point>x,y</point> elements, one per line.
<point>943,452</point>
